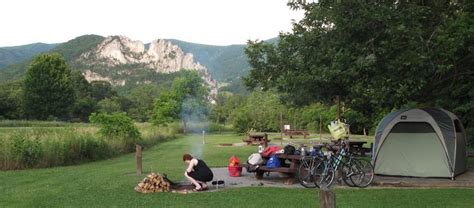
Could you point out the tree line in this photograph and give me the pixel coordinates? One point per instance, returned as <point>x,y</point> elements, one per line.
<point>51,90</point>
<point>378,56</point>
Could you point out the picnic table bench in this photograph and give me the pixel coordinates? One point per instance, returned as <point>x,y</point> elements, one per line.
<point>253,139</point>
<point>296,132</point>
<point>289,169</point>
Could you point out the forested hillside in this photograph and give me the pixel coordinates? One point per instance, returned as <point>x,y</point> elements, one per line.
<point>15,54</point>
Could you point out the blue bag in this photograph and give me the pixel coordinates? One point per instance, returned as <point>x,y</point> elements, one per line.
<point>273,162</point>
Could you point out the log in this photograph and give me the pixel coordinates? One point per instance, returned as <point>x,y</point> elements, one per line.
<point>327,198</point>
<point>153,183</point>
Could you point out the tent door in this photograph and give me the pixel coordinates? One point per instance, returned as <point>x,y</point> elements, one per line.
<point>412,149</point>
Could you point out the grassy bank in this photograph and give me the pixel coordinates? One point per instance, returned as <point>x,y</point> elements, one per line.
<point>110,183</point>
<point>55,144</point>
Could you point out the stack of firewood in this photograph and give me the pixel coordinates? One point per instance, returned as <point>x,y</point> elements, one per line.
<point>154,183</point>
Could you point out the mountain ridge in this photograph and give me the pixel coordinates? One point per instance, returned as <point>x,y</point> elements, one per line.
<point>224,63</point>
<point>123,61</point>
<point>13,54</point>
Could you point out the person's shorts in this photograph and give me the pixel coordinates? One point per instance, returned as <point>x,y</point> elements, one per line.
<point>201,176</point>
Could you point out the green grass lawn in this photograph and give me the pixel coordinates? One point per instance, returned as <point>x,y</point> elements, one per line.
<point>110,183</point>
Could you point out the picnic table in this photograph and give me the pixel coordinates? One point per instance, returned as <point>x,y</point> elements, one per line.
<point>289,169</point>
<point>296,132</point>
<point>355,146</point>
<point>253,139</point>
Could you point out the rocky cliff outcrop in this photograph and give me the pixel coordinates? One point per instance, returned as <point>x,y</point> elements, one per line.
<point>160,56</point>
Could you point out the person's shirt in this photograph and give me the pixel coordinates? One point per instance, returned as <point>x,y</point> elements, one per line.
<point>191,165</point>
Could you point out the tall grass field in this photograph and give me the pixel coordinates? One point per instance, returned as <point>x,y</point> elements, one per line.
<point>34,144</point>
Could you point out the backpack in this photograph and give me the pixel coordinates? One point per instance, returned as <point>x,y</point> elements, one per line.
<point>255,159</point>
<point>273,162</point>
<point>251,168</point>
<point>270,150</point>
<point>289,149</point>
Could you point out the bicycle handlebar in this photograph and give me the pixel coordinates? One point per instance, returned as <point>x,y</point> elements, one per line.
<point>337,146</point>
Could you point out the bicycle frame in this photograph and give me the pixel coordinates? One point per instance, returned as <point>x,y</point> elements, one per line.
<point>334,162</point>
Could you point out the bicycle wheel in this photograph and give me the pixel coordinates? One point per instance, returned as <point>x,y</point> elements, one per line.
<point>363,173</point>
<point>348,170</point>
<point>305,172</point>
<point>324,174</point>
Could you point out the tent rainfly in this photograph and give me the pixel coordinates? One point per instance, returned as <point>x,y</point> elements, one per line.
<point>420,142</point>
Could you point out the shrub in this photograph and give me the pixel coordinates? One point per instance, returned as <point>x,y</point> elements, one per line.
<point>28,151</point>
<point>117,126</point>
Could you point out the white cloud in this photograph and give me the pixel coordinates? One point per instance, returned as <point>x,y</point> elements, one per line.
<point>203,21</point>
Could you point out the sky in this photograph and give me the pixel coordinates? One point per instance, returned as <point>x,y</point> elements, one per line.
<point>215,22</point>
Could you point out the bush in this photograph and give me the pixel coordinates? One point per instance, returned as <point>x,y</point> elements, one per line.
<point>116,125</point>
<point>27,151</point>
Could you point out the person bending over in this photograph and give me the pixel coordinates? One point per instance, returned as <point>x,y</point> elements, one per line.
<point>197,172</point>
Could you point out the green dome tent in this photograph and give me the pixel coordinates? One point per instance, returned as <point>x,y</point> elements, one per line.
<point>420,142</point>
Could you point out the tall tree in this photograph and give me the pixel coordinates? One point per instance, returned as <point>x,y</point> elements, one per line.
<point>187,100</point>
<point>11,94</point>
<point>142,98</point>
<point>101,90</point>
<point>378,56</point>
<point>260,111</point>
<point>166,108</point>
<point>48,88</point>
<point>84,104</point>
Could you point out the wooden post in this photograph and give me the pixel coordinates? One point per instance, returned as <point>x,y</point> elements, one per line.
<point>294,122</point>
<point>219,122</point>
<point>327,198</point>
<point>338,101</point>
<point>320,128</point>
<point>203,137</point>
<point>265,140</point>
<point>184,126</point>
<point>281,128</point>
<point>138,156</point>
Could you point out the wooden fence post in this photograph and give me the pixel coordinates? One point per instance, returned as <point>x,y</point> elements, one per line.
<point>138,156</point>
<point>327,198</point>
<point>265,140</point>
<point>281,128</point>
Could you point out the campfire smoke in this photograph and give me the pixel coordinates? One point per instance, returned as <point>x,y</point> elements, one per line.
<point>194,117</point>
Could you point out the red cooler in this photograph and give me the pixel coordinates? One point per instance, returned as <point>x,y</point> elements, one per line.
<point>234,169</point>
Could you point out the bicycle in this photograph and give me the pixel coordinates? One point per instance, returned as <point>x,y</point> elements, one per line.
<point>306,171</point>
<point>320,170</point>
<point>354,172</point>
